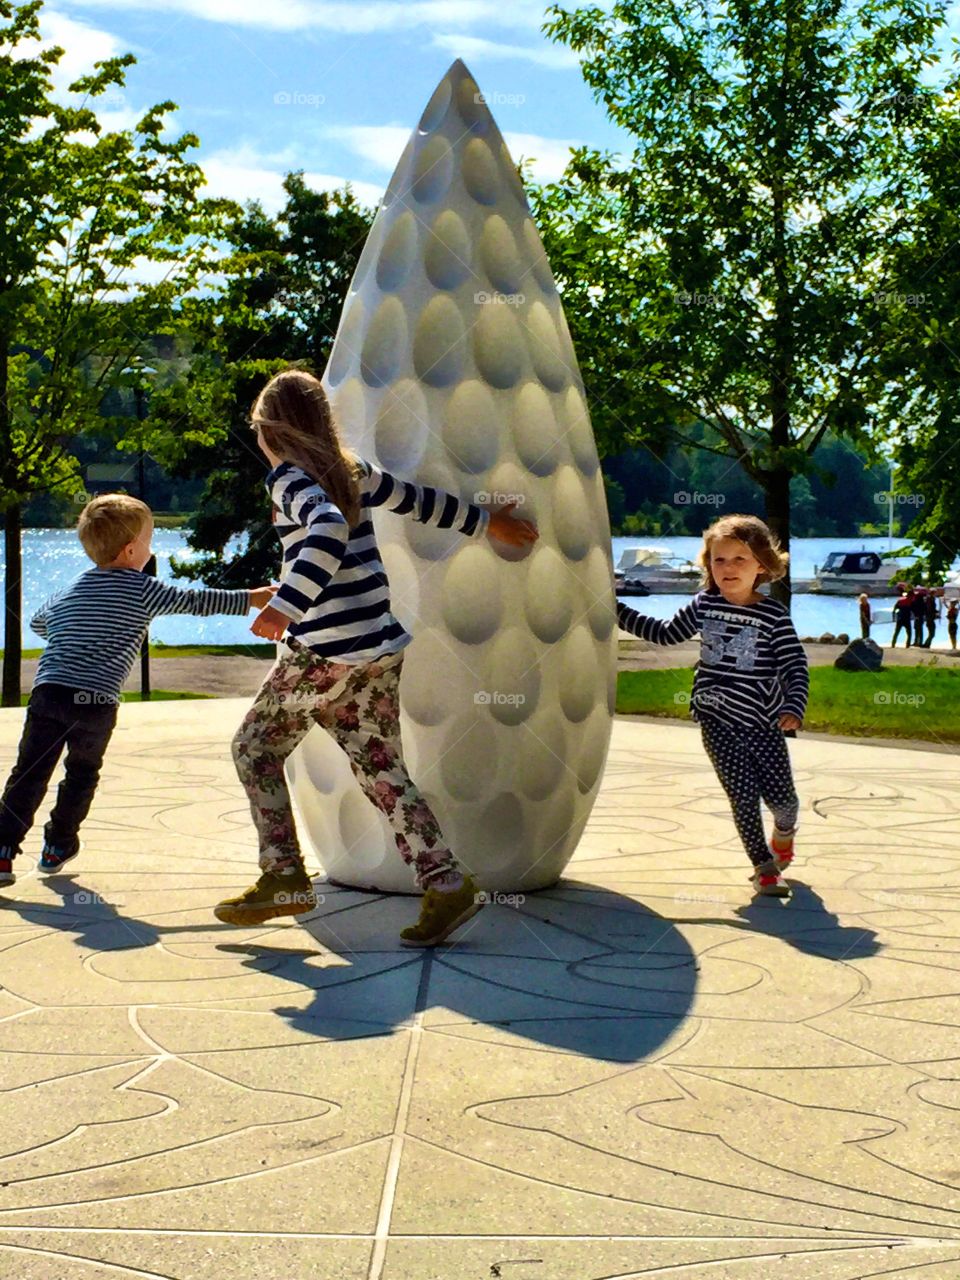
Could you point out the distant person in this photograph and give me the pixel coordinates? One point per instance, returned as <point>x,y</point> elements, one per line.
<point>866,617</point>
<point>918,611</point>
<point>931,615</point>
<point>953,608</point>
<point>94,630</point>
<point>750,687</point>
<point>903,615</point>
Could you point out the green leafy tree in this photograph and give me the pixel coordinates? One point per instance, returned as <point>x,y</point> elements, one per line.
<point>81,213</point>
<point>923,349</point>
<point>728,270</point>
<point>284,281</point>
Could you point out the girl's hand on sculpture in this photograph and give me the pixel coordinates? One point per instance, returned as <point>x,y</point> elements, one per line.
<point>511,529</point>
<point>260,597</point>
<point>270,624</point>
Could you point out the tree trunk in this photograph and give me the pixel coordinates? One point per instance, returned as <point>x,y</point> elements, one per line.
<point>12,638</point>
<point>776,492</point>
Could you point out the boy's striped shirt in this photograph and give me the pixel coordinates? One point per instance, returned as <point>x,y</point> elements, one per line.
<point>95,627</point>
<point>333,583</point>
<point>752,667</point>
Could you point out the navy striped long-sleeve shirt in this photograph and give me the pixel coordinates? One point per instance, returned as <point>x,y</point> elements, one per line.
<point>752,668</point>
<point>95,627</point>
<point>333,585</point>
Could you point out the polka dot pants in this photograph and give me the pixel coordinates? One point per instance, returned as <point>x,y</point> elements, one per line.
<point>753,765</point>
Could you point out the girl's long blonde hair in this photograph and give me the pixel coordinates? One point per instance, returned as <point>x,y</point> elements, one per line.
<point>293,413</point>
<point>752,531</point>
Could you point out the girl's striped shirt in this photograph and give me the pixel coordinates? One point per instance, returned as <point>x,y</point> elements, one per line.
<point>333,585</point>
<point>752,668</point>
<point>95,627</point>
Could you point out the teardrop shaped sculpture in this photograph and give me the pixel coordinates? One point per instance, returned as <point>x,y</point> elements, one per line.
<point>453,367</point>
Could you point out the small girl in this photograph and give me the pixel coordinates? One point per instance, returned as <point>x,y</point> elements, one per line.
<point>340,664</point>
<point>953,608</point>
<point>750,687</point>
<point>866,617</point>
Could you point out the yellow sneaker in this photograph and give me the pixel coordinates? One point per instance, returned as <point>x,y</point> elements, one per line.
<point>441,913</point>
<point>272,895</point>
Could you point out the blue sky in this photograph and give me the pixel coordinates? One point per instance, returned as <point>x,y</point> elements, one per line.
<point>332,88</point>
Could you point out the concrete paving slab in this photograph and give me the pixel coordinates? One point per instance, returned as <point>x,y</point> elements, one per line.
<point>640,1071</point>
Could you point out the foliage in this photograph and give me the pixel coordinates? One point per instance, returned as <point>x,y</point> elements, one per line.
<point>283,282</point>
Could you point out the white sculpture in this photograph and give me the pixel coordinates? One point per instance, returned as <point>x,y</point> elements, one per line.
<point>453,367</point>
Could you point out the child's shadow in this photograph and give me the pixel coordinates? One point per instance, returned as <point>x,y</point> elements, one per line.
<point>806,923</point>
<point>97,921</point>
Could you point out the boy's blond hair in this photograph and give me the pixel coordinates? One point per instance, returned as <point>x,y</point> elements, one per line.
<point>108,523</point>
<point>752,531</point>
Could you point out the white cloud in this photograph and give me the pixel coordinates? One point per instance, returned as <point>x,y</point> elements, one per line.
<point>82,45</point>
<point>476,49</point>
<point>381,145</point>
<point>244,174</point>
<point>549,156</point>
<point>348,17</point>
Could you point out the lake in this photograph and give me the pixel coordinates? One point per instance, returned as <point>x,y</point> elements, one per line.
<point>53,557</point>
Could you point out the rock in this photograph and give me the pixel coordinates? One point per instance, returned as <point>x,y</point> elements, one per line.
<point>861,655</point>
<point>843,638</point>
<point>827,638</point>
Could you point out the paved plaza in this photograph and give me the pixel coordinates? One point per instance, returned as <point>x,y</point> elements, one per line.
<point>638,1073</point>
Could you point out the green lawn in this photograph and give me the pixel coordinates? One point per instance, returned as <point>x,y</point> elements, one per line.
<point>899,702</point>
<point>160,650</point>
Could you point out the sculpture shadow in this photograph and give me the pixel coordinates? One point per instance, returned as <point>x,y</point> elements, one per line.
<point>576,968</point>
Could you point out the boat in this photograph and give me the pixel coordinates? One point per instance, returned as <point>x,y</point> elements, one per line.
<point>847,573</point>
<point>642,571</point>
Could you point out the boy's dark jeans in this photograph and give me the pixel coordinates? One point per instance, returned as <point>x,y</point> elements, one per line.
<point>57,717</point>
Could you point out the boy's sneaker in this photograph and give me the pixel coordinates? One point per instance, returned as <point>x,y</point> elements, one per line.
<point>6,865</point>
<point>441,913</point>
<point>272,895</point>
<point>768,882</point>
<point>52,858</point>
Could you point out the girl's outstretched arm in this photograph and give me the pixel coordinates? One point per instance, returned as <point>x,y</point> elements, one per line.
<point>684,624</point>
<point>421,503</point>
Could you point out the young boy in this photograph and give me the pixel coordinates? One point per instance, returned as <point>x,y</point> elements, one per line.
<point>94,630</point>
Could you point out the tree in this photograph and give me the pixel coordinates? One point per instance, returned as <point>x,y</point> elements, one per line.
<point>83,214</point>
<point>284,283</point>
<point>923,333</point>
<point>728,272</point>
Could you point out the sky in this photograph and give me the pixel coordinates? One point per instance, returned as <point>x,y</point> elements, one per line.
<point>333,87</point>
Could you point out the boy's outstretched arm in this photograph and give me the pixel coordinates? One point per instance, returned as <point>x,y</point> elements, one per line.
<point>166,598</point>
<point>684,624</point>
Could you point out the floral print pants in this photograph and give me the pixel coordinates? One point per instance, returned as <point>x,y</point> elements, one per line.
<point>359,706</point>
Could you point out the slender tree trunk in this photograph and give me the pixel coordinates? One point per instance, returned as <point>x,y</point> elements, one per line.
<point>12,638</point>
<point>776,492</point>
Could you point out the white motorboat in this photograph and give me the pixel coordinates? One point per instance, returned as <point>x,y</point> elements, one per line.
<point>643,570</point>
<point>847,573</point>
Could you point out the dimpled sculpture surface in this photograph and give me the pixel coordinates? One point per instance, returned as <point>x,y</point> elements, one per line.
<point>453,366</point>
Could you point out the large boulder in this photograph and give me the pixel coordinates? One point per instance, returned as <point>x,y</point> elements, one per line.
<point>860,655</point>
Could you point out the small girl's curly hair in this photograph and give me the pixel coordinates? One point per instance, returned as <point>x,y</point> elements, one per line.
<point>752,531</point>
